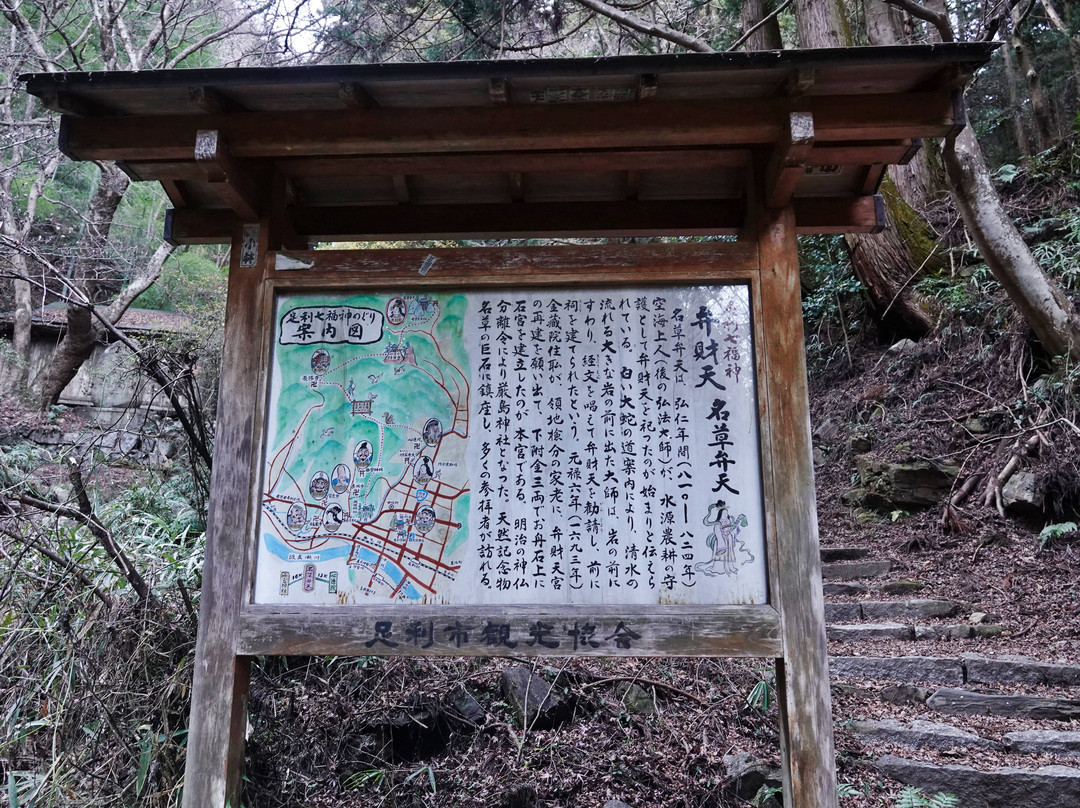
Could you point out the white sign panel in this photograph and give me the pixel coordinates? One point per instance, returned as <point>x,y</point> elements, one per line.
<point>513,447</point>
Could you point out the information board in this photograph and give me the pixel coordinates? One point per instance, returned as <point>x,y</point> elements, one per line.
<point>586,446</point>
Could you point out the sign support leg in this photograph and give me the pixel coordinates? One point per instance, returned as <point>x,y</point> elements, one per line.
<point>219,691</point>
<point>802,675</point>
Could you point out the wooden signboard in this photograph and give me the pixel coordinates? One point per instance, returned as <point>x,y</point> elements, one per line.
<point>557,451</point>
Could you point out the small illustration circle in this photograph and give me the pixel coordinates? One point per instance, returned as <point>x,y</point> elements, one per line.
<point>424,519</point>
<point>296,516</point>
<point>422,471</point>
<point>396,311</point>
<point>362,454</point>
<point>319,484</point>
<point>320,362</point>
<point>333,518</point>
<point>341,479</point>
<point>432,431</point>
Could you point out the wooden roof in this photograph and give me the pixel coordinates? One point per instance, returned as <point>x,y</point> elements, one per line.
<point>626,146</point>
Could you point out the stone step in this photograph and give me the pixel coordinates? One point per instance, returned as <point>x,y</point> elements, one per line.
<point>1043,742</point>
<point>962,669</point>
<point>966,702</point>
<point>936,670</point>
<point>844,589</point>
<point>1020,670</point>
<point>830,554</point>
<point>895,610</point>
<point>918,734</point>
<point>856,632</point>
<point>1048,787</point>
<point>853,570</point>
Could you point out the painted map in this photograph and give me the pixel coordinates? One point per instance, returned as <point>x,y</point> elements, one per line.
<point>583,446</point>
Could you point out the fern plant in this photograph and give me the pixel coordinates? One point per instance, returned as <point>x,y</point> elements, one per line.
<point>912,797</point>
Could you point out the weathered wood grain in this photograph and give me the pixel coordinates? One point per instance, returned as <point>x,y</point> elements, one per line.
<point>735,122</point>
<point>219,690</point>
<point>668,630</point>
<point>519,266</point>
<point>802,674</point>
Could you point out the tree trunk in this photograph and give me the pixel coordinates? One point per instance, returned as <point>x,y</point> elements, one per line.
<point>821,24</point>
<point>883,23</point>
<point>83,329</point>
<point>1073,40</point>
<point>20,330</point>
<point>1044,306</point>
<point>885,263</point>
<point>1015,111</point>
<point>1040,106</point>
<point>767,37</point>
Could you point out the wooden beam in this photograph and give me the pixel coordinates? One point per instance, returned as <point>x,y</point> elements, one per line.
<point>499,91</point>
<point>730,122</point>
<point>909,155</point>
<point>648,84</point>
<point>633,184</point>
<point>517,186</point>
<point>627,219</point>
<point>871,180</point>
<point>212,100</point>
<point>599,264</point>
<point>788,161</point>
<point>401,189</point>
<point>353,96</point>
<point>798,82</point>
<point>806,737</point>
<point>529,162</point>
<point>731,631</point>
<point>225,173</point>
<point>70,104</point>
<point>219,688</point>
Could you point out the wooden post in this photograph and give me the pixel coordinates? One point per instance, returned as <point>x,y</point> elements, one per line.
<point>802,675</point>
<point>219,693</point>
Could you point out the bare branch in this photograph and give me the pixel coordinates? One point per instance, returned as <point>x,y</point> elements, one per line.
<point>919,11</point>
<point>764,20</point>
<point>195,47</point>
<point>654,29</point>
<point>66,563</point>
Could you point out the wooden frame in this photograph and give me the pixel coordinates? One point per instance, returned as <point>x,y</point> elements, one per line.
<point>790,629</point>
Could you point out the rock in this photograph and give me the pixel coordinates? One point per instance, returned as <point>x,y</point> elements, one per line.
<point>961,631</point>
<point>965,702</point>
<point>636,699</point>
<point>831,554</point>
<point>819,457</point>
<point>987,631</point>
<point>977,617</point>
<point>749,775</point>
<point>859,444</point>
<point>1048,787</point>
<point>868,631</point>
<point>128,443</point>
<point>850,570</point>
<point>894,486</point>
<point>461,701</point>
<point>827,432</point>
<point>1019,670</point>
<point>1043,742</point>
<point>47,436</point>
<point>918,609</point>
<point>924,734</point>
<point>938,670</point>
<point>1023,495</point>
<point>615,804</point>
<point>902,348</point>
<point>900,587</point>
<point>904,694</point>
<point>537,704</point>
<point>842,612</point>
<point>844,589</point>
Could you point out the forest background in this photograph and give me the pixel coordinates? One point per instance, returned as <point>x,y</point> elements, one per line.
<point>100,559</point>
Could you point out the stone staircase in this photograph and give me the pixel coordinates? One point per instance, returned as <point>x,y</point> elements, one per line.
<point>1010,723</point>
